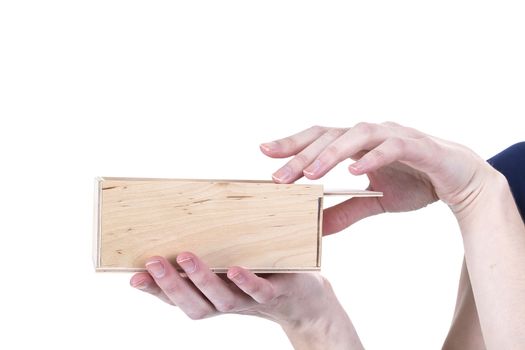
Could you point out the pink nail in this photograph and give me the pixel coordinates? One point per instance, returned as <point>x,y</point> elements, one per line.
<point>156,268</point>
<point>187,264</point>
<point>357,167</point>
<point>283,175</point>
<point>313,168</point>
<point>140,284</point>
<point>268,147</point>
<point>237,278</point>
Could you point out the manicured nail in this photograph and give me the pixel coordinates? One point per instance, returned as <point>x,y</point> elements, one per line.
<point>237,278</point>
<point>283,175</point>
<point>357,167</point>
<point>313,168</point>
<point>268,146</point>
<point>140,284</point>
<point>187,264</point>
<point>156,268</point>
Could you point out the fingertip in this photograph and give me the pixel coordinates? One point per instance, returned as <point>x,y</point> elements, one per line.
<point>279,180</point>
<point>190,263</point>
<point>264,148</point>
<point>155,258</point>
<point>140,280</point>
<point>232,271</point>
<point>236,274</point>
<point>308,174</point>
<point>271,149</point>
<point>356,168</point>
<point>276,179</point>
<point>274,151</point>
<point>311,175</point>
<point>185,255</point>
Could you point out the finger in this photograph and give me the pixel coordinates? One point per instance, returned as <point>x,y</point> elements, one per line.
<point>405,130</point>
<point>260,289</point>
<point>293,170</point>
<point>363,136</point>
<point>399,130</point>
<point>178,289</point>
<point>342,215</point>
<point>422,154</point>
<point>293,144</point>
<point>392,124</point>
<point>144,282</point>
<point>211,285</point>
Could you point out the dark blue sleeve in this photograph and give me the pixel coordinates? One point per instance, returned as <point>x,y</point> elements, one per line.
<point>511,163</point>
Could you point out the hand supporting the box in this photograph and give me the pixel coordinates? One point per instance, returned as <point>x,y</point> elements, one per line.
<point>304,304</point>
<point>414,169</point>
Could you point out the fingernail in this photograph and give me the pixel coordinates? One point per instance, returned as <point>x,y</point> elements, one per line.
<point>187,264</point>
<point>156,268</point>
<point>140,284</point>
<point>237,278</point>
<point>357,167</point>
<point>268,146</point>
<point>283,175</point>
<point>313,168</point>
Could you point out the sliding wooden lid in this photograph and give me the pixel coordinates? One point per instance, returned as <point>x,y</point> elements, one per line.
<point>263,226</point>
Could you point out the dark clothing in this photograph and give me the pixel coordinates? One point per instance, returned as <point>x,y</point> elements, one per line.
<point>511,163</point>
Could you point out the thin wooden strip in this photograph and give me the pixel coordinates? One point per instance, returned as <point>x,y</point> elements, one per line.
<point>218,269</point>
<point>356,193</point>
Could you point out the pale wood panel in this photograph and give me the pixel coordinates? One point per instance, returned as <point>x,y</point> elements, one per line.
<point>260,225</point>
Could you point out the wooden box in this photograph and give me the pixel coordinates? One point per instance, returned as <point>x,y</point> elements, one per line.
<point>260,225</point>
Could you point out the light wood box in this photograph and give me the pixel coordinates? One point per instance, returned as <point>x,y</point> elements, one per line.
<point>260,225</point>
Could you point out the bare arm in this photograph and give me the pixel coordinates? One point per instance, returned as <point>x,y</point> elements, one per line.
<point>494,241</point>
<point>465,330</point>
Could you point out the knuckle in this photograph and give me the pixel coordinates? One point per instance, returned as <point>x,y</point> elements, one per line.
<point>364,128</point>
<point>203,281</point>
<point>332,152</point>
<point>225,306</point>
<point>253,289</point>
<point>425,142</point>
<point>266,298</point>
<point>301,160</point>
<point>288,143</point>
<point>172,288</point>
<point>391,124</point>
<point>430,144</point>
<point>317,128</point>
<point>397,143</point>
<point>334,133</point>
<point>414,133</point>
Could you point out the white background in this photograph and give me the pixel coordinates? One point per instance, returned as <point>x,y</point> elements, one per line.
<point>190,89</point>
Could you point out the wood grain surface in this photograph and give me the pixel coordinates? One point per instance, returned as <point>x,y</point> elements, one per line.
<point>260,225</point>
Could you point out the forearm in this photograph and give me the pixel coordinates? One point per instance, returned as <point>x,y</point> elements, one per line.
<point>465,331</point>
<point>494,241</point>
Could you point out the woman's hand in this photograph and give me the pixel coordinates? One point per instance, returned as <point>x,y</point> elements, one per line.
<point>414,169</point>
<point>302,303</point>
<point>411,168</point>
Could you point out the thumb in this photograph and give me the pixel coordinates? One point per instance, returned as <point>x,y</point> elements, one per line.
<point>342,215</point>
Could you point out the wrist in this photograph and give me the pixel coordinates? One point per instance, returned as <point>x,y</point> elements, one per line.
<point>492,190</point>
<point>335,332</point>
<point>330,330</point>
<point>487,186</point>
